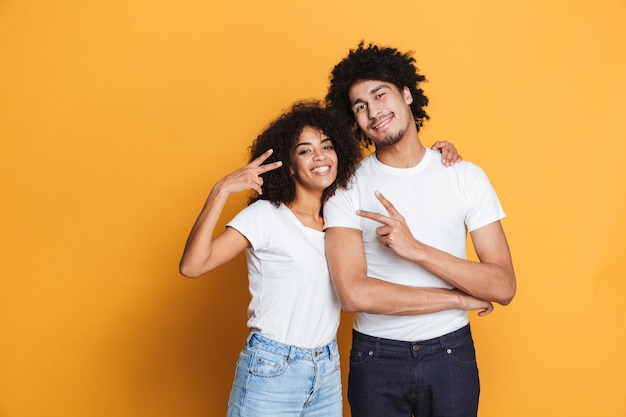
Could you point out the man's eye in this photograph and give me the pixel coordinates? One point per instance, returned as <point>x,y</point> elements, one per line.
<point>359,108</point>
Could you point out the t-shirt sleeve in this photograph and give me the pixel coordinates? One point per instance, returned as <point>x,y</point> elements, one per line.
<point>254,222</point>
<point>340,209</point>
<point>483,204</point>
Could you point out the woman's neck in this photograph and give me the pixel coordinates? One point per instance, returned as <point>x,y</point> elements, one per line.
<point>308,210</point>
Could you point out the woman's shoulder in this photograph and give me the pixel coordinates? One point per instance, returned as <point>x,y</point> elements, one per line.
<point>262,208</point>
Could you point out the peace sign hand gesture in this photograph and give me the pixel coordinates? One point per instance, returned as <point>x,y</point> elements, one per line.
<point>249,176</point>
<point>394,233</point>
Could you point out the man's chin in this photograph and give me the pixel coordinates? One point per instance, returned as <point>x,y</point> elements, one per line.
<point>388,140</point>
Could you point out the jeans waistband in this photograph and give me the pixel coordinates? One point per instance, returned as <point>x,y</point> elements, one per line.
<point>258,341</point>
<point>445,340</point>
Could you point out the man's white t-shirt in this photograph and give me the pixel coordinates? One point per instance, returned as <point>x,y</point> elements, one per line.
<point>440,205</point>
<point>293,300</point>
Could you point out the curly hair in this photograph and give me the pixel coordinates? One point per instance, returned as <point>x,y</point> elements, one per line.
<point>282,135</point>
<point>375,63</point>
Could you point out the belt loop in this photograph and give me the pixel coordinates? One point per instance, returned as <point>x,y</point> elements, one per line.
<point>376,348</point>
<point>292,353</point>
<point>442,341</point>
<point>250,335</point>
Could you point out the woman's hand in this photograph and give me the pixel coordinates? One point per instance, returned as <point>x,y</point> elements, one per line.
<point>249,176</point>
<point>449,155</point>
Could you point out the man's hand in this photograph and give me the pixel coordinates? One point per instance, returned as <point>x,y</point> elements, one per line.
<point>394,232</point>
<point>469,303</point>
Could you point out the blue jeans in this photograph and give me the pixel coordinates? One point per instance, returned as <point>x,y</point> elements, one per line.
<point>273,379</point>
<point>431,378</point>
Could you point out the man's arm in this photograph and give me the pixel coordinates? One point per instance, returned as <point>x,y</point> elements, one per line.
<point>493,278</point>
<point>358,292</point>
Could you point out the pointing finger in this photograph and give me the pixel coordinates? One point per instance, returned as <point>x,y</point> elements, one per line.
<point>386,204</point>
<point>380,218</point>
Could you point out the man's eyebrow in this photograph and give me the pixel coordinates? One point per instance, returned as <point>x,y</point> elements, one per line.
<point>376,89</point>
<point>371,92</point>
<point>357,101</point>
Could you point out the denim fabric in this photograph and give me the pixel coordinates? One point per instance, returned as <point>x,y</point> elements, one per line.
<point>432,378</point>
<point>273,379</point>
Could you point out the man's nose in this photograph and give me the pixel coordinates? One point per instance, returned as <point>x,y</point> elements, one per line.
<point>373,111</point>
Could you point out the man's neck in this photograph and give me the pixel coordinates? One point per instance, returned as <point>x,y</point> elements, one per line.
<point>406,153</point>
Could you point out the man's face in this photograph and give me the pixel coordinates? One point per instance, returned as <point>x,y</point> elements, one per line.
<point>381,110</point>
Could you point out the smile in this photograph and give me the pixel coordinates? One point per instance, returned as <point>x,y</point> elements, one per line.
<point>384,122</point>
<point>320,170</point>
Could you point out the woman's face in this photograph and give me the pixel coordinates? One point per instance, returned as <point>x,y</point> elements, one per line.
<point>313,160</point>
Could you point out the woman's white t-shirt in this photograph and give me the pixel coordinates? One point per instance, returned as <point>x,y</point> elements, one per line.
<point>293,299</point>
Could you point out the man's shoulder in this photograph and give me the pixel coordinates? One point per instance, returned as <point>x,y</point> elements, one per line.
<point>366,162</point>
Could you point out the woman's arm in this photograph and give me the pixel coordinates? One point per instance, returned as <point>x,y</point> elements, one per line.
<point>202,252</point>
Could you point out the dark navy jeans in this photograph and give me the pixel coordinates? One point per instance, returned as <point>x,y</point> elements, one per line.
<point>431,378</point>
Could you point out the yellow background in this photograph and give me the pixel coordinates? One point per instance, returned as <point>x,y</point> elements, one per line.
<point>116,118</point>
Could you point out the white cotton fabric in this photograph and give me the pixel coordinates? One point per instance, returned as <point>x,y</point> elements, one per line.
<point>439,204</point>
<point>293,300</point>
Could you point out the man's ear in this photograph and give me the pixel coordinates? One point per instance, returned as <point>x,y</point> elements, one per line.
<point>408,98</point>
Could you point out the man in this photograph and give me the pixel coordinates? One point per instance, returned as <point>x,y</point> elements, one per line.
<point>407,277</point>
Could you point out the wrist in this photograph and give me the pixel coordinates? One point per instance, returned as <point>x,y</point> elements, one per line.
<point>218,193</point>
<point>419,252</point>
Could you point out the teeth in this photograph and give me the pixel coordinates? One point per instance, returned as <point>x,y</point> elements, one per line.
<point>381,124</point>
<point>321,169</point>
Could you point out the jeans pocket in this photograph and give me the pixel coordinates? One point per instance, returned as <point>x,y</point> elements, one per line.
<point>463,353</point>
<point>359,356</point>
<point>267,364</point>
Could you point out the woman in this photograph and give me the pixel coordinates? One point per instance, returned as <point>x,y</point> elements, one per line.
<point>290,362</point>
